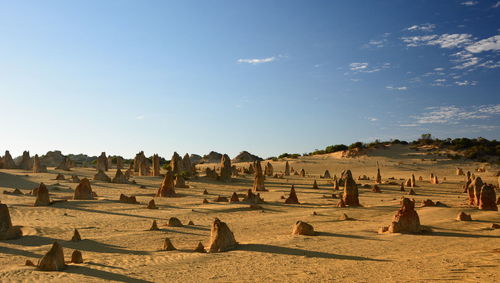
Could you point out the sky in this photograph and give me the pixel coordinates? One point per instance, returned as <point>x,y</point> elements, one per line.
<point>264,76</point>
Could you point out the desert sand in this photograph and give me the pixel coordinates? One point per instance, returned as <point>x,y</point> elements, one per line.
<point>117,244</point>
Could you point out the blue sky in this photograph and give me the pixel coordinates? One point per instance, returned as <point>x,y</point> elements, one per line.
<point>264,76</point>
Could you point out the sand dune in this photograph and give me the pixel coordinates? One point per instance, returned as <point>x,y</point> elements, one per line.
<point>118,246</point>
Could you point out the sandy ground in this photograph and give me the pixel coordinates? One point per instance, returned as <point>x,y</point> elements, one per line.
<point>117,245</point>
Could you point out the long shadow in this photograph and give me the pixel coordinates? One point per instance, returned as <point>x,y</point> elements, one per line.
<point>8,180</point>
<point>6,250</point>
<point>101,274</point>
<point>459,235</point>
<point>346,236</point>
<point>84,245</point>
<point>67,205</point>
<point>263,248</point>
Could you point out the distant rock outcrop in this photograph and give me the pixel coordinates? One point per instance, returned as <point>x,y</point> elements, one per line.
<point>138,159</point>
<point>65,164</point>
<point>37,165</point>
<point>212,157</point>
<point>287,169</point>
<point>245,156</point>
<point>26,162</point>
<point>8,162</point>
<point>102,163</point>
<point>188,166</point>
<point>176,164</point>
<point>195,158</point>
<point>269,170</point>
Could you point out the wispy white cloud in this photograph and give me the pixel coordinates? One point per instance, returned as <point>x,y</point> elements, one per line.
<point>469,3</point>
<point>454,115</point>
<point>464,59</point>
<point>490,64</point>
<point>257,60</point>
<point>358,66</point>
<point>373,119</point>
<point>397,87</point>
<point>444,41</point>
<point>140,117</point>
<point>466,83</point>
<point>490,43</point>
<point>496,5</point>
<point>422,27</point>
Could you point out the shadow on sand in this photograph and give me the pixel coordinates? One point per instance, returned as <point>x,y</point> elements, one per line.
<point>101,274</point>
<point>263,248</point>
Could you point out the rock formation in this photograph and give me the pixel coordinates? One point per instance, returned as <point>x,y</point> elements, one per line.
<point>102,162</point>
<point>406,219</point>
<point>174,222</point>
<point>152,205</point>
<point>303,228</point>
<point>8,162</point>
<point>315,185</point>
<point>154,226</point>
<point>76,257</point>
<point>258,183</point>
<point>302,172</point>
<point>145,168</point>
<point>252,198</point>
<point>411,192</point>
<point>376,189</point>
<point>156,165</point>
<point>187,165</point>
<point>225,169</point>
<point>460,172</point>
<point>42,196</point>
<point>26,163</point>
<point>138,159</point>
<point>53,260</point>
<point>474,190</point>
<point>180,182</point>
<point>287,169</point>
<point>292,197</point>
<point>119,162</point>
<point>378,180</point>
<point>75,179</point>
<point>7,231</point>
<point>65,164</point>
<point>168,246</point>
<point>128,199</point>
<point>60,177</point>
<point>327,175</point>
<point>462,216</point>
<point>101,176</point>
<point>221,199</point>
<point>119,178</point>
<point>269,170</point>
<point>37,166</point>
<point>221,237</point>
<point>245,156</point>
<point>176,164</point>
<point>83,191</point>
<point>402,187</point>
<point>341,203</point>
<point>234,197</point>
<point>200,248</point>
<point>167,186</point>
<point>76,236</point>
<point>488,198</point>
<point>350,196</point>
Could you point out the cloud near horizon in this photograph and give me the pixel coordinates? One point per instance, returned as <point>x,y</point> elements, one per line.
<point>257,61</point>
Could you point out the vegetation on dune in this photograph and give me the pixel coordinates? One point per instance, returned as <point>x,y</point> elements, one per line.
<point>479,149</point>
